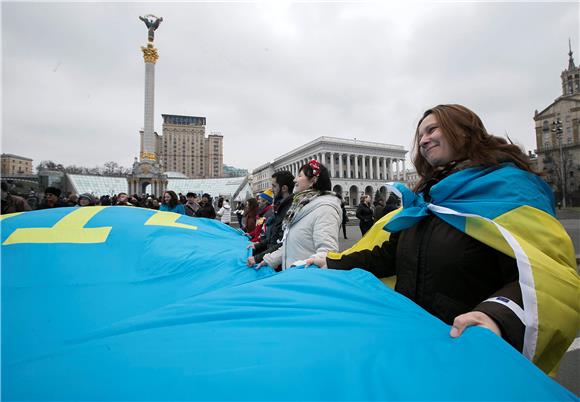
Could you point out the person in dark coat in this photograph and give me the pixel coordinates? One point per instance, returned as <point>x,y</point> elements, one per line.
<point>344,217</point>
<point>12,203</point>
<point>191,206</point>
<point>445,270</point>
<point>206,209</point>
<point>51,199</point>
<point>364,213</point>
<point>392,203</point>
<point>379,211</point>
<point>282,188</point>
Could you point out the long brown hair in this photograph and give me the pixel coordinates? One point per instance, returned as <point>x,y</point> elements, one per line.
<point>251,207</point>
<point>173,201</point>
<point>468,137</point>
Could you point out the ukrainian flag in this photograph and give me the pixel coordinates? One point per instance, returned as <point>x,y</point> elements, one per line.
<point>512,211</point>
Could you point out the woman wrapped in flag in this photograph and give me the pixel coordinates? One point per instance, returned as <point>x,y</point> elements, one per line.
<point>477,241</point>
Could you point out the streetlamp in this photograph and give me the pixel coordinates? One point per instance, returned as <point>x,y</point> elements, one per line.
<point>557,129</point>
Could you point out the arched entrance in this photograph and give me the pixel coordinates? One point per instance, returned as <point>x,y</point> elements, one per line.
<point>383,192</point>
<point>145,188</point>
<point>353,196</point>
<point>369,191</point>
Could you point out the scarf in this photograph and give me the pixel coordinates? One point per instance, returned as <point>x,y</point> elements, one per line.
<point>512,211</point>
<point>299,201</point>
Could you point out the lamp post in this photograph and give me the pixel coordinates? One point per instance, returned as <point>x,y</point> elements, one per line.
<point>557,129</point>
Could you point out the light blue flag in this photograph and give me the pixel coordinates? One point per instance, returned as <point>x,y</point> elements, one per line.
<point>160,306</point>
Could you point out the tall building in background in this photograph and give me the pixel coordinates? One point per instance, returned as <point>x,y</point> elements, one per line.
<point>184,147</point>
<point>558,138</point>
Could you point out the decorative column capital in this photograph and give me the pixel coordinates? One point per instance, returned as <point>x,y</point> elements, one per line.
<point>148,155</point>
<point>150,54</point>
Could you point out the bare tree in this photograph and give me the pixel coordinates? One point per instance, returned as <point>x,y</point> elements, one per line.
<point>558,165</point>
<point>50,165</point>
<point>110,168</point>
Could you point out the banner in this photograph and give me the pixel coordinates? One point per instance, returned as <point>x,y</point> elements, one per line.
<point>120,303</point>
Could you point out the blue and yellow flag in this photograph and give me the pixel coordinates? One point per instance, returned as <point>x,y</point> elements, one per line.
<point>512,211</point>
<point>116,303</point>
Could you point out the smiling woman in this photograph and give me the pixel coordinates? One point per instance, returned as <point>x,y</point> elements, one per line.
<point>449,133</point>
<point>433,145</point>
<point>477,243</point>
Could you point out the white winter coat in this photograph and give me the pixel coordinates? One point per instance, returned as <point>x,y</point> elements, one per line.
<point>225,213</point>
<point>313,232</point>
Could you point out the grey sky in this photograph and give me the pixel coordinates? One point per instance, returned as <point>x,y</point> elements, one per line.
<point>273,75</point>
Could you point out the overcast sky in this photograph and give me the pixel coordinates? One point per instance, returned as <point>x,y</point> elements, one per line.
<point>273,75</point>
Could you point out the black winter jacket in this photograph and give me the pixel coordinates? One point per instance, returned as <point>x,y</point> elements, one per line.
<point>364,213</point>
<point>274,231</point>
<point>446,272</point>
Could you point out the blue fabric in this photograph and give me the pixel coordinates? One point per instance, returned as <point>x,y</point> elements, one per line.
<point>167,313</point>
<point>179,208</point>
<point>488,192</point>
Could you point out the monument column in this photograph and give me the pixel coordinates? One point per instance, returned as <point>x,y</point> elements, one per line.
<point>147,168</point>
<point>150,56</point>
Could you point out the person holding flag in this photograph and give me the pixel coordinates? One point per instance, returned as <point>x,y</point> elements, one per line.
<point>477,242</point>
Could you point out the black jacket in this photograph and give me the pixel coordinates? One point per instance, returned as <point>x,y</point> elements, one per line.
<point>364,213</point>
<point>206,211</point>
<point>446,272</point>
<point>274,231</point>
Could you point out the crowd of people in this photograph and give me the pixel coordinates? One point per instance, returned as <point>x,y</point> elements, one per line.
<point>443,269</point>
<point>189,204</point>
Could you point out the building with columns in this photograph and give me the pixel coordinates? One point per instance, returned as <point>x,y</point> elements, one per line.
<point>356,167</point>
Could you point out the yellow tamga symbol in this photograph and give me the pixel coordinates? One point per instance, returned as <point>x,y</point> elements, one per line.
<point>69,229</point>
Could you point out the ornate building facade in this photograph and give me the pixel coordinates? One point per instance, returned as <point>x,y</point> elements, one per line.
<point>356,167</point>
<point>558,138</point>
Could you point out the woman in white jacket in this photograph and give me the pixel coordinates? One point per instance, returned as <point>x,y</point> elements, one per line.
<point>313,221</point>
<point>225,212</point>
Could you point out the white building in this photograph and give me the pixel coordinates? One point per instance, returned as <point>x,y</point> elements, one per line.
<point>356,167</point>
<point>261,177</point>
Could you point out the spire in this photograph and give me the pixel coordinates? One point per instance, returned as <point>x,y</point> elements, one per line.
<point>571,65</point>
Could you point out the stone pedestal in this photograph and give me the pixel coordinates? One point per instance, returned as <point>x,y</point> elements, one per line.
<point>144,173</point>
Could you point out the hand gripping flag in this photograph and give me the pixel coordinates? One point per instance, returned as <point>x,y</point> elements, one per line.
<point>512,211</point>
<point>115,303</point>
